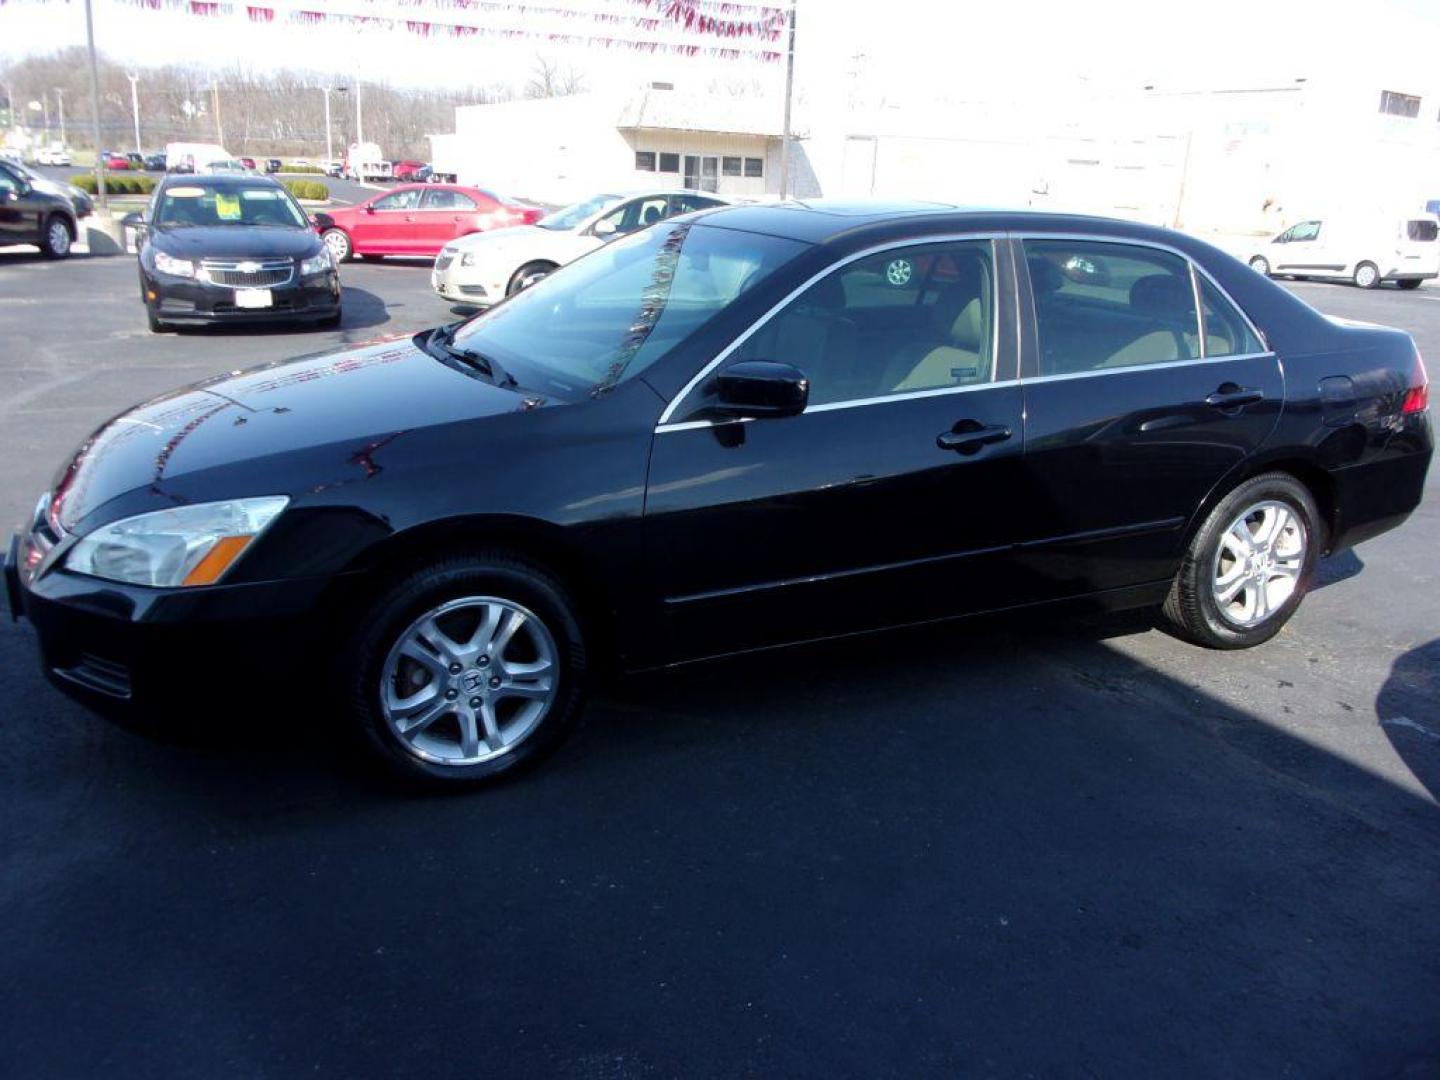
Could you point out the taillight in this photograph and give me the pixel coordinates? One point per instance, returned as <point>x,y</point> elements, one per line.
<point>1417,397</point>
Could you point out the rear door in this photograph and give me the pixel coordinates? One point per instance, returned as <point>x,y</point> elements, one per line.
<point>1419,246</point>
<point>1133,411</point>
<point>888,500</point>
<point>444,214</point>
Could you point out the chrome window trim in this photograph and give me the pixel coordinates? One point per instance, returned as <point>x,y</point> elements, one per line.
<point>1163,365</point>
<point>663,424</point>
<point>908,395</point>
<point>1199,308</point>
<point>1141,242</point>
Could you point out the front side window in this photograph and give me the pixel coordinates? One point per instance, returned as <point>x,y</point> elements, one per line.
<point>684,204</point>
<point>1101,306</point>
<point>408,199</point>
<point>447,199</point>
<point>8,183</point>
<point>909,319</point>
<point>636,214</point>
<point>1226,331</point>
<point>570,217</point>
<point>610,315</point>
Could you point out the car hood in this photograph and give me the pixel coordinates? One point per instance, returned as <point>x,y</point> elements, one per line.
<point>237,241</point>
<point>333,410</point>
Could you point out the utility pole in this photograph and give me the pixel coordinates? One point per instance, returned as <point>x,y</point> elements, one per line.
<point>359,127</point>
<point>329,147</point>
<point>60,95</point>
<point>95,109</point>
<point>215,99</point>
<point>135,107</point>
<point>45,107</point>
<point>789,93</point>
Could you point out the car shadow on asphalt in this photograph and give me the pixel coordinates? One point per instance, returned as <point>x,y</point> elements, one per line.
<point>1409,710</point>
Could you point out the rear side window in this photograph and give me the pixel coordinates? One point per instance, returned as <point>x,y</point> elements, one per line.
<point>1100,306</point>
<point>447,199</point>
<point>1422,230</point>
<point>1226,331</point>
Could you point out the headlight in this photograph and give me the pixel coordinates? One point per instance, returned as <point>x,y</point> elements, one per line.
<point>470,258</point>
<point>189,545</point>
<point>317,264</point>
<point>168,264</point>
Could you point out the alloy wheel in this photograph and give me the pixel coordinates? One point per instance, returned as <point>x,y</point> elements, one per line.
<point>1258,563</point>
<point>59,237</point>
<point>469,680</point>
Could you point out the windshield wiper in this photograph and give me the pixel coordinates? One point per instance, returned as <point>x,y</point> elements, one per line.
<point>444,338</point>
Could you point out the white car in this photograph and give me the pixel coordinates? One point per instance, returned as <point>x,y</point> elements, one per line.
<point>484,268</point>
<point>52,155</point>
<point>1403,250</point>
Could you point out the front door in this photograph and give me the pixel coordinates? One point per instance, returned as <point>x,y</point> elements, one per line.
<point>19,223</point>
<point>887,500</point>
<point>1304,250</point>
<point>1133,411</point>
<point>389,226</point>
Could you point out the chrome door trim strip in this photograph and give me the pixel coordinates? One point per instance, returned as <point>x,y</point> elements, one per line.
<point>1165,365</point>
<point>947,238</point>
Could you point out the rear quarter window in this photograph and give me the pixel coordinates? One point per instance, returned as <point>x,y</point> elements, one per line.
<point>1422,230</point>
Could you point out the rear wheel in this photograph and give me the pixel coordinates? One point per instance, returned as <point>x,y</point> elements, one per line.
<point>55,238</point>
<point>338,241</point>
<point>1248,566</point>
<point>528,275</point>
<point>467,670</point>
<point>1367,275</point>
<point>1409,283</point>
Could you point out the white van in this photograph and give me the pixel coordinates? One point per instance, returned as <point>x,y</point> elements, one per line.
<point>189,157</point>
<point>1403,250</point>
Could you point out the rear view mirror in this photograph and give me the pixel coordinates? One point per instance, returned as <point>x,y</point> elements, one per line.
<point>762,388</point>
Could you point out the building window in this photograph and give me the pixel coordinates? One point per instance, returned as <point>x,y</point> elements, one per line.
<point>644,161</point>
<point>670,163</point>
<point>754,166</point>
<point>730,166</point>
<point>1399,104</point>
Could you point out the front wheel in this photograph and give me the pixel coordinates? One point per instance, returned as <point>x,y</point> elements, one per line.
<point>528,275</point>
<point>1248,567</point>
<point>1367,275</point>
<point>467,670</point>
<point>1260,265</point>
<point>338,241</point>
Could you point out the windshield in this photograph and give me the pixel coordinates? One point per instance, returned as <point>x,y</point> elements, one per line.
<point>572,216</point>
<point>613,313</point>
<point>228,204</point>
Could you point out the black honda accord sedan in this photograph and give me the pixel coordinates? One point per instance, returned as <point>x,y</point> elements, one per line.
<point>232,249</point>
<point>735,430</point>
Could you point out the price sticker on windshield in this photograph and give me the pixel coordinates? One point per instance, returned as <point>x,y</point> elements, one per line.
<point>227,207</point>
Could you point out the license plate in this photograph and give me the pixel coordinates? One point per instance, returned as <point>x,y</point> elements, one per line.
<point>253,298</point>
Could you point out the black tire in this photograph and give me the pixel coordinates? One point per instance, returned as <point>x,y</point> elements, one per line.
<point>339,239</point>
<point>496,574</point>
<point>156,326</point>
<point>1364,280</point>
<point>528,274</point>
<point>1410,283</point>
<point>56,237</point>
<point>1260,265</point>
<point>1192,609</point>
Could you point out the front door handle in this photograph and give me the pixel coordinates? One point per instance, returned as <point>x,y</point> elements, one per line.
<point>1230,396</point>
<point>968,436</point>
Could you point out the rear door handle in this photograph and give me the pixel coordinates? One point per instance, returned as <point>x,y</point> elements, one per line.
<point>1230,396</point>
<point>968,436</point>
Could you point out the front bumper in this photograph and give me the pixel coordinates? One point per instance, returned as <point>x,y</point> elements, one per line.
<point>128,650</point>
<point>465,284</point>
<point>191,301</point>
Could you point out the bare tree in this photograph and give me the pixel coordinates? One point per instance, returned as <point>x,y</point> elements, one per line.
<point>548,79</point>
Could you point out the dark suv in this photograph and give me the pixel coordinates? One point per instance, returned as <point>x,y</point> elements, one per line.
<point>29,215</point>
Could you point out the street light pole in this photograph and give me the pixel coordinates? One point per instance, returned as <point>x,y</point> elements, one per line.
<point>45,107</point>
<point>60,95</point>
<point>789,94</point>
<point>135,107</point>
<point>215,100</point>
<point>329,147</point>
<point>95,109</point>
<point>359,127</point>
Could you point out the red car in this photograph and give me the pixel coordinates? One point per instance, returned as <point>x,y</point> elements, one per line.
<point>417,219</point>
<point>114,160</point>
<point>249,163</point>
<point>406,170</point>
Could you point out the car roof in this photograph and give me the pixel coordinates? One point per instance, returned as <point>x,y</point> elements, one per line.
<point>823,221</point>
<point>229,179</point>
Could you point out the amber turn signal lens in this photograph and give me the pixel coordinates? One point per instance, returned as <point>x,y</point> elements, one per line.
<point>217,560</point>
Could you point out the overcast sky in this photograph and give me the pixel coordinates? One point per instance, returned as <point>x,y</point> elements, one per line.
<point>913,49</point>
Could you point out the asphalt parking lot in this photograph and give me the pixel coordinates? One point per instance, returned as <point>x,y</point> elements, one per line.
<point>1055,848</point>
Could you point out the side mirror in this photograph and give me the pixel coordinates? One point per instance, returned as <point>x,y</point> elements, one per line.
<point>605,228</point>
<point>322,221</point>
<point>369,209</point>
<point>133,220</point>
<point>761,388</point>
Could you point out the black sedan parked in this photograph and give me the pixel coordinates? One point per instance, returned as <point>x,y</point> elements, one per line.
<point>34,214</point>
<point>734,430</point>
<point>232,249</point>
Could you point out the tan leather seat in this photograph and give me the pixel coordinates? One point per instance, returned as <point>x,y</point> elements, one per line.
<point>959,316</point>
